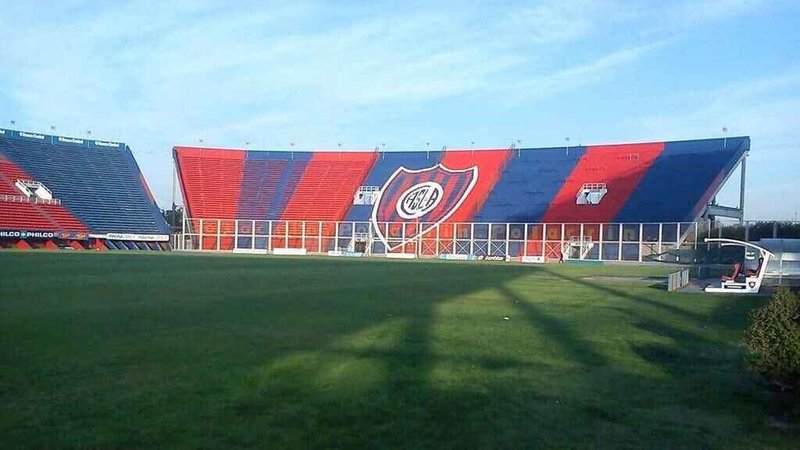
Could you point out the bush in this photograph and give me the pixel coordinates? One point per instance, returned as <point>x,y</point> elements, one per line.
<point>772,339</point>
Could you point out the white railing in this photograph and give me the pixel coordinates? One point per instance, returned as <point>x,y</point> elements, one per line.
<point>26,199</point>
<point>609,242</point>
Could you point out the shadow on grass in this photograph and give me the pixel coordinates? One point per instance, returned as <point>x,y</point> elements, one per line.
<point>356,354</point>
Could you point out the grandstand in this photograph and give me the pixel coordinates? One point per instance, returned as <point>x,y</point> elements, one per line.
<point>390,202</point>
<point>58,191</point>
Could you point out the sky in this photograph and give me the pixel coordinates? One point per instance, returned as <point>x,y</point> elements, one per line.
<point>403,73</point>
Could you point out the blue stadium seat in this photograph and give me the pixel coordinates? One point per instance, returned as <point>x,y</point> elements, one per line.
<point>101,186</point>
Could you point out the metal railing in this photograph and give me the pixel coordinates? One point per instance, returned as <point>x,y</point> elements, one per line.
<point>666,242</point>
<point>673,242</point>
<point>26,199</point>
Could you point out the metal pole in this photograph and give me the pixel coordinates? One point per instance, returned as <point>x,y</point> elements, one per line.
<point>336,237</point>
<point>508,230</point>
<point>183,233</point>
<point>353,234</point>
<point>544,241</point>
<point>525,242</point>
<point>403,238</point>
<point>619,250</point>
<point>174,176</point>
<point>600,245</point>
<point>303,234</point>
<point>741,187</point>
<point>472,238</point>
<point>455,229</point>
<point>219,233</point>
<point>641,226</point>
<point>489,241</point>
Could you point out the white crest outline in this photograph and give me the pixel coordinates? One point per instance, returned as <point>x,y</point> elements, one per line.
<point>467,191</point>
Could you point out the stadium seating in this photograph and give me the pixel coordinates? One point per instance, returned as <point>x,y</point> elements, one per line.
<point>98,187</point>
<point>22,213</point>
<point>648,182</point>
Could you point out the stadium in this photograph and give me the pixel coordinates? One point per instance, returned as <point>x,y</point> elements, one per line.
<point>355,341</point>
<point>332,225</point>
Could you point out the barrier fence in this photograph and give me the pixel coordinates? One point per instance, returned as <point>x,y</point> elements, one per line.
<point>547,241</point>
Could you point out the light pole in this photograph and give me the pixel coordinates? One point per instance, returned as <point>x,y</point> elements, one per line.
<point>724,137</point>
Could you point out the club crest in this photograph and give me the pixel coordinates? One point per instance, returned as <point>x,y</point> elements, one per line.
<point>424,197</point>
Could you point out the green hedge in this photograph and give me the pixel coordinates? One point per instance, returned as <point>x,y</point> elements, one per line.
<point>772,339</point>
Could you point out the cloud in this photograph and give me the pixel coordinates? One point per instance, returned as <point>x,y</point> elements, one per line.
<point>766,109</point>
<point>580,75</point>
<point>155,75</point>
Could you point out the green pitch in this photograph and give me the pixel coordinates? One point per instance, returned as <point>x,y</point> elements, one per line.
<point>120,350</point>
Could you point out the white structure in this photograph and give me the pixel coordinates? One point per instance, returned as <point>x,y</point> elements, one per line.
<point>667,242</point>
<point>751,284</point>
<point>591,193</point>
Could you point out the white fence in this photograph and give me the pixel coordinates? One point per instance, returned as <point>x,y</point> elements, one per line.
<point>588,241</point>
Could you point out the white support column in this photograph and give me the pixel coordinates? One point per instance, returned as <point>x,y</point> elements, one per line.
<point>253,235</point>
<point>303,234</point>
<point>472,238</point>
<point>563,230</point>
<point>641,229</point>
<point>219,233</point>
<point>236,234</point>
<point>525,241</point>
<point>336,237</point>
<point>370,234</point>
<point>319,238</point>
<point>286,234</point>
<point>580,249</point>
<point>544,241</point>
<point>438,238</point>
<point>660,239</point>
<point>621,240</point>
<point>269,236</point>
<point>508,230</point>
<point>455,229</point>
<point>600,245</point>
<point>489,241</point>
<point>201,235</point>
<point>353,233</point>
<point>741,187</point>
<point>403,238</point>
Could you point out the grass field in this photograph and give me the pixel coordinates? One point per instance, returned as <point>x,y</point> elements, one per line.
<point>121,350</point>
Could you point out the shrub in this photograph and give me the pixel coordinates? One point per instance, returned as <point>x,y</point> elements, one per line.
<point>772,339</point>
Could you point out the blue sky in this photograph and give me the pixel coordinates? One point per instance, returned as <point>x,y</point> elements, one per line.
<point>159,74</point>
